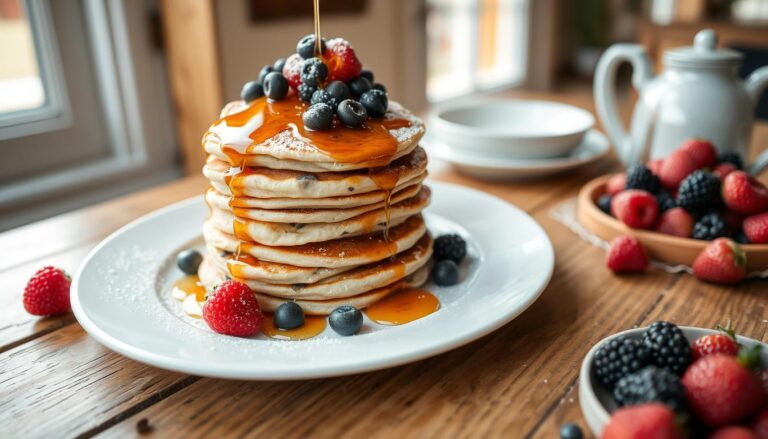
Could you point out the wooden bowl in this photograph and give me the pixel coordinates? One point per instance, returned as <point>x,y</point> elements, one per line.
<point>665,248</point>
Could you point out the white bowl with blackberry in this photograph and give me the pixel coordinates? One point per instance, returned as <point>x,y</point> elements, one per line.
<point>617,372</point>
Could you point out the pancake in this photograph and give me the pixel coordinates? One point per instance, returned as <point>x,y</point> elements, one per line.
<point>344,252</point>
<point>281,234</point>
<point>269,183</point>
<point>288,149</point>
<point>210,277</point>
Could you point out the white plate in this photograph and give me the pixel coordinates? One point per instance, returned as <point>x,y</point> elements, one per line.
<point>594,147</point>
<point>121,296</point>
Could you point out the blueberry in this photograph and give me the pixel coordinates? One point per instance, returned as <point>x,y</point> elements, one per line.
<point>367,74</point>
<point>338,90</point>
<point>346,320</point>
<point>318,117</point>
<point>570,431</point>
<point>189,260</point>
<point>289,315</point>
<point>358,86</point>
<point>306,46</point>
<point>351,113</point>
<point>375,102</point>
<point>379,86</point>
<point>604,203</point>
<point>313,71</point>
<point>266,70</point>
<point>251,91</point>
<point>322,96</point>
<point>306,91</point>
<point>445,273</point>
<point>278,65</point>
<point>275,86</point>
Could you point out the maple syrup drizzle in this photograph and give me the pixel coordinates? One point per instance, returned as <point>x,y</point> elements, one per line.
<point>318,38</point>
<point>191,293</point>
<point>403,306</point>
<point>313,326</point>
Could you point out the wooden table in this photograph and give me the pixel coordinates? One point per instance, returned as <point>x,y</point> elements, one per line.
<point>520,381</point>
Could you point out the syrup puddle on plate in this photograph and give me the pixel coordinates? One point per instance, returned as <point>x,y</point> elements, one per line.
<point>403,306</point>
<point>313,326</point>
<point>191,293</point>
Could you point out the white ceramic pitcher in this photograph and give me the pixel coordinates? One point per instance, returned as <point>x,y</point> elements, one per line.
<point>698,95</point>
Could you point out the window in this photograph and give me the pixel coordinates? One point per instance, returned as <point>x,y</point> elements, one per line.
<point>21,87</point>
<point>475,45</point>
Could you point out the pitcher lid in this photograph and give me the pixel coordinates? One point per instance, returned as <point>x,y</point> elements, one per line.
<point>703,53</point>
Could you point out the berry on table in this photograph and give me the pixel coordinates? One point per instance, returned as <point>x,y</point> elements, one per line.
<point>251,91</point>
<point>710,226</point>
<point>645,421</point>
<point>744,194</point>
<point>450,247</point>
<point>675,169</point>
<point>445,273</point>
<point>47,292</point>
<point>731,157</point>
<point>635,208</point>
<point>724,342</point>
<point>266,70</point>
<point>651,384</point>
<point>358,86</point>
<point>189,260</point>
<point>367,74</point>
<point>640,177</point>
<point>701,151</point>
<point>756,228</point>
<point>571,431</point>
<point>346,320</point>
<point>341,60</point>
<point>305,48</point>
<point>618,358</point>
<point>616,183</point>
<point>318,117</point>
<point>232,309</point>
<point>665,201</point>
<point>722,261</point>
<point>604,203</point>
<point>313,71</point>
<point>626,255</point>
<point>289,315</point>
<point>375,102</point>
<point>338,90</point>
<point>676,222</point>
<point>668,347</point>
<point>351,113</point>
<point>721,391</point>
<point>292,71</point>
<point>275,86</point>
<point>305,92</point>
<point>699,191</point>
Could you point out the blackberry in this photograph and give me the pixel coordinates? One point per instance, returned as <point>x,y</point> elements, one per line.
<point>450,247</point>
<point>618,358</point>
<point>306,91</point>
<point>604,203</point>
<point>731,157</point>
<point>665,201</point>
<point>640,177</point>
<point>651,384</point>
<point>668,347</point>
<point>699,191</point>
<point>313,71</point>
<point>709,227</point>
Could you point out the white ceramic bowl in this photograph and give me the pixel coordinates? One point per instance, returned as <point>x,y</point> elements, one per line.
<point>522,129</point>
<point>596,401</point>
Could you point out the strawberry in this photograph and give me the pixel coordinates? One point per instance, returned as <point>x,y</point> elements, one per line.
<point>722,261</point>
<point>626,255</point>
<point>47,292</point>
<point>341,60</point>
<point>616,183</point>
<point>723,169</point>
<point>744,194</point>
<point>292,70</point>
<point>645,421</point>
<point>232,309</point>
<point>636,208</point>
<point>733,432</point>
<point>760,424</point>
<point>756,228</point>
<point>721,390</point>
<point>701,152</point>
<point>676,221</point>
<point>655,166</point>
<point>675,168</point>
<point>723,342</point>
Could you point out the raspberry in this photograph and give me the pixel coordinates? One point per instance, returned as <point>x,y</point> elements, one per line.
<point>651,384</point>
<point>618,358</point>
<point>341,60</point>
<point>232,309</point>
<point>723,169</point>
<point>626,255</point>
<point>675,169</point>
<point>676,222</point>
<point>701,151</point>
<point>756,228</point>
<point>292,71</point>
<point>450,247</point>
<point>616,184</point>
<point>668,347</point>
<point>744,194</point>
<point>710,226</point>
<point>698,192</point>
<point>635,208</point>
<point>47,292</point>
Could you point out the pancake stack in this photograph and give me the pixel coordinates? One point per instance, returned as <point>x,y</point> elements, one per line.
<point>322,218</point>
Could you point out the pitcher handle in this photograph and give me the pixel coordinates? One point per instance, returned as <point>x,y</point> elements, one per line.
<point>755,85</point>
<point>605,95</point>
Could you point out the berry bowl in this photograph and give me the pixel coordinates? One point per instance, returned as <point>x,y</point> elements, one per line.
<point>661,247</point>
<point>519,129</point>
<point>596,401</point>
